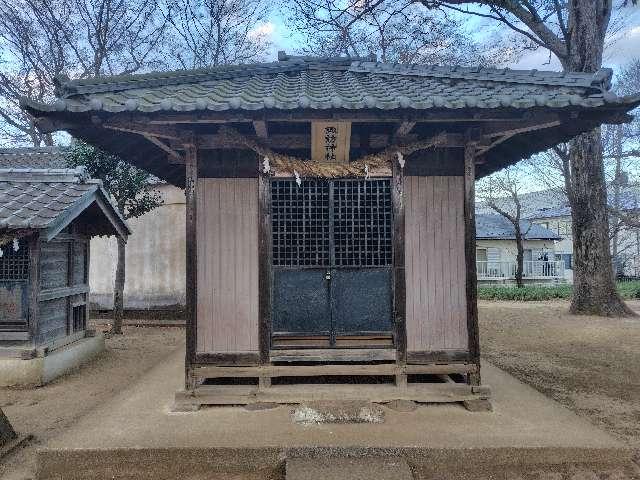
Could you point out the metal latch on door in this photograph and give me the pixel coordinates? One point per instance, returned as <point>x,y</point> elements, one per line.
<point>327,276</point>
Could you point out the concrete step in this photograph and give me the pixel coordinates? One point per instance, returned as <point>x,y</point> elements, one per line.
<point>356,468</point>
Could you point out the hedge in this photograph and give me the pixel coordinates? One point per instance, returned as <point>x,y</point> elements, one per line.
<point>628,290</point>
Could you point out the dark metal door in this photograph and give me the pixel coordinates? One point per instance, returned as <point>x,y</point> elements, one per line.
<point>332,257</point>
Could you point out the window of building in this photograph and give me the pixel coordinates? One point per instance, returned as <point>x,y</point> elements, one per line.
<point>14,261</point>
<point>79,318</point>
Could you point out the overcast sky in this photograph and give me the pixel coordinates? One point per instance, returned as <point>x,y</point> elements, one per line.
<point>622,48</point>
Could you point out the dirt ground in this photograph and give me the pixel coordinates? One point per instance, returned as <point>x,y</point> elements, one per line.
<point>589,364</point>
<point>47,411</point>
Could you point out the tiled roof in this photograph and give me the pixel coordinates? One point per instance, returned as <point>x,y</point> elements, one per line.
<point>333,83</point>
<point>32,157</point>
<point>497,227</point>
<point>556,204</point>
<point>49,199</point>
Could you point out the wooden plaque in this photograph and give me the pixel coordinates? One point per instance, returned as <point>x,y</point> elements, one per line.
<point>330,141</point>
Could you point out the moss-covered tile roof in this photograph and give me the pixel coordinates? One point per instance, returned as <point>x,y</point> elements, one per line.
<point>49,199</point>
<point>331,83</point>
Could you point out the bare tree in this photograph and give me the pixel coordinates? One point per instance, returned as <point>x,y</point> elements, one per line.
<point>401,32</point>
<point>575,32</point>
<point>41,40</point>
<point>205,33</point>
<point>501,192</point>
<point>621,155</point>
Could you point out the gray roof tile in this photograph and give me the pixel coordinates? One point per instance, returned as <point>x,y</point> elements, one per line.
<point>36,198</point>
<point>497,227</point>
<point>32,157</point>
<point>308,83</point>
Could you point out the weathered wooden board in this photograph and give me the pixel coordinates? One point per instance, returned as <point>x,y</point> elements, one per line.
<point>330,141</point>
<point>435,269</point>
<point>227,229</point>
<point>54,264</point>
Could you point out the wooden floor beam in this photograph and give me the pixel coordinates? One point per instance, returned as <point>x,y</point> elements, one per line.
<point>380,393</point>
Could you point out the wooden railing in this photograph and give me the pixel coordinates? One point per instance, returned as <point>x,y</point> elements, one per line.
<point>537,269</point>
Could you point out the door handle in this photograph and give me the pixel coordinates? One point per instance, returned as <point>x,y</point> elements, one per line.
<point>327,276</point>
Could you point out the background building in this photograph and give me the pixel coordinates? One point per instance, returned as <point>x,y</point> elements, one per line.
<point>496,252</point>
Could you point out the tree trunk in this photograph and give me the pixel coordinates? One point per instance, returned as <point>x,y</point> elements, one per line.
<point>617,183</point>
<point>118,289</point>
<point>519,256</point>
<point>594,287</point>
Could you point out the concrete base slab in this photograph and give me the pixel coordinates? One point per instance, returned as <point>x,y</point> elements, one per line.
<point>41,370</point>
<point>137,435</point>
<point>385,468</point>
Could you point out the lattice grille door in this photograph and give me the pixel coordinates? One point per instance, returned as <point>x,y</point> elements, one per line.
<point>332,256</point>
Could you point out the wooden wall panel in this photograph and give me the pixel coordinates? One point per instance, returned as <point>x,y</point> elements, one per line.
<point>227,226</point>
<point>435,269</point>
<point>54,264</point>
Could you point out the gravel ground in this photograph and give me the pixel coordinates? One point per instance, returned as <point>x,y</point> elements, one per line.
<point>47,411</point>
<point>589,364</point>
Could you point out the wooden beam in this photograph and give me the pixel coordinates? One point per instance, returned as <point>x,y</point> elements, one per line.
<point>298,393</point>
<point>226,359</point>
<point>333,355</point>
<point>384,369</point>
<point>505,135</point>
<point>264,267</point>
<point>191,284</point>
<point>175,156</point>
<point>146,129</point>
<point>354,369</point>
<point>260,126</point>
<point>302,141</point>
<point>403,129</point>
<point>399,280</point>
<point>470,258</point>
<point>438,357</point>
<point>384,116</point>
<point>34,286</point>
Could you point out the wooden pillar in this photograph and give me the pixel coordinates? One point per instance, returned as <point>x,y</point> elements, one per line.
<point>34,286</point>
<point>470,258</point>
<point>191,197</point>
<point>264,267</point>
<point>399,281</point>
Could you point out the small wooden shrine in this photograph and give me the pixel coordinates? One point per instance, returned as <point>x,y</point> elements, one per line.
<point>47,217</point>
<point>330,211</point>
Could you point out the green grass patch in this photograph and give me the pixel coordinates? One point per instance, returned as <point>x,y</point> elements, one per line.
<point>528,293</point>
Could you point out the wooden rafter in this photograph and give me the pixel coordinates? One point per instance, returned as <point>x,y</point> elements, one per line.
<point>384,116</point>
<point>404,129</point>
<point>145,129</point>
<point>154,134</point>
<point>170,151</point>
<point>505,135</point>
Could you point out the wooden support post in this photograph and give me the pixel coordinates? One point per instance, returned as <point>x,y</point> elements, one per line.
<point>34,286</point>
<point>470,258</point>
<point>191,197</point>
<point>264,268</point>
<point>399,281</point>
<point>401,380</point>
<point>264,383</point>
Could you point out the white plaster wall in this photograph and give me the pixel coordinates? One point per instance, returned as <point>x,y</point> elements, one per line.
<point>155,258</point>
<point>561,226</point>
<point>508,250</point>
